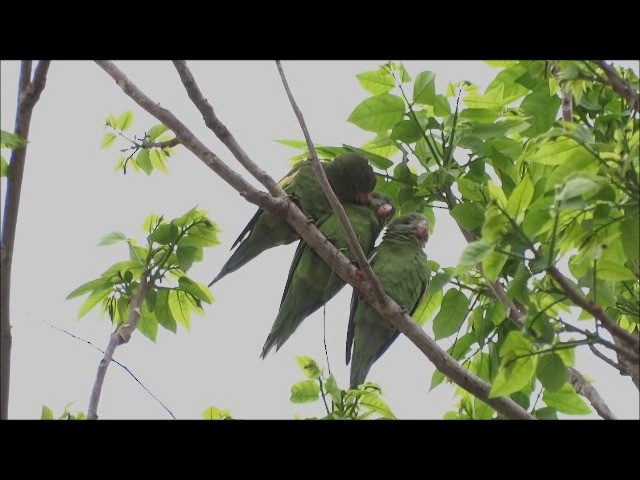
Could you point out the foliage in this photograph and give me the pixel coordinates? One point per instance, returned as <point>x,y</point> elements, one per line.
<point>47,414</point>
<point>147,153</point>
<point>361,403</point>
<point>214,413</point>
<point>171,249</point>
<point>12,142</point>
<point>530,191</point>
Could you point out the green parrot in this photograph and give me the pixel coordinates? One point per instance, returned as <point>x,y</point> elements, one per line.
<point>311,282</point>
<point>351,178</point>
<point>401,265</point>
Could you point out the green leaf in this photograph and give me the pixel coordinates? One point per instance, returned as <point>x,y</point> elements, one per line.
<point>474,253</point>
<point>478,115</point>
<point>378,114</point>
<point>559,151</point>
<point>144,162</point>
<point>157,158</point>
<point>92,300</point>
<point>47,413</point>
<point>197,290</point>
<point>163,312</point>
<point>513,376</point>
<point>551,372</point>
<point>494,262</point>
<point>201,236</point>
<point>180,308</point>
<point>469,215</point>
<point>566,400</point>
<point>165,234</point>
<point>124,121</point>
<point>108,139</point>
<point>214,413</point>
<point>376,160</point>
<point>428,306</point>
<point>148,325</point>
<point>576,187</point>
<point>155,132</point>
<point>546,413</point>
<point>113,237</point>
<point>97,284</point>
<point>451,315</point>
<point>406,131</point>
<point>150,222</point>
<point>4,167</point>
<point>305,391</point>
<point>543,110</point>
<point>608,270</point>
<point>424,88</point>
<point>11,140</point>
<point>374,403</point>
<point>495,225</point>
<point>520,199</point>
<point>331,387</point>
<point>436,379</point>
<point>186,255</point>
<point>376,81</point>
<point>309,366</point>
<point>516,344</point>
<point>441,107</point>
<point>630,238</point>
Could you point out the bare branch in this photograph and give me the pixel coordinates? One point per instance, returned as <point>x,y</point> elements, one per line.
<point>28,95</point>
<point>620,86</point>
<point>630,369</point>
<point>221,131</point>
<point>166,144</point>
<point>123,366</point>
<point>287,209</point>
<point>584,388</point>
<point>119,336</point>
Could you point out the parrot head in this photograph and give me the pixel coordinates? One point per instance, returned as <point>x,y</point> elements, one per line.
<point>351,178</point>
<point>414,224</point>
<point>383,207</point>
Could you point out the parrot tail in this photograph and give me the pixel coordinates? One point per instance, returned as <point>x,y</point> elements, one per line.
<point>359,372</point>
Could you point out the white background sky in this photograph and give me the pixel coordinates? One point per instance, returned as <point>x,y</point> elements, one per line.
<point>71,198</point>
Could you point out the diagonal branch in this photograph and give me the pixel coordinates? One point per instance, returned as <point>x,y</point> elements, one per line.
<point>584,388</point>
<point>121,335</point>
<point>620,86</point>
<point>286,209</point>
<point>221,131</point>
<point>28,95</point>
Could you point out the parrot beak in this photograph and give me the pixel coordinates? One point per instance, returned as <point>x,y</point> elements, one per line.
<point>383,211</point>
<point>363,198</point>
<point>422,230</point>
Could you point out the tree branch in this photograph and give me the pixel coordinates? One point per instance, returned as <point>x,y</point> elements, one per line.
<point>28,95</point>
<point>584,388</point>
<point>121,335</point>
<point>166,144</point>
<point>620,86</point>
<point>633,370</point>
<point>222,132</point>
<point>287,209</point>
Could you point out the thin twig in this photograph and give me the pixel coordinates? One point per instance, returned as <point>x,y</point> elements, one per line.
<point>28,95</point>
<point>126,369</point>
<point>166,144</point>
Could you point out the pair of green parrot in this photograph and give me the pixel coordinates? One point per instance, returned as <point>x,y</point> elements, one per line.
<point>399,262</point>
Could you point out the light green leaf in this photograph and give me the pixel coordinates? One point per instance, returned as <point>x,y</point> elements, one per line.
<point>163,312</point>
<point>576,187</point>
<point>630,237</point>
<point>374,403</point>
<point>155,132</point>
<point>180,308</point>
<point>186,255</point>
<point>108,139</point>
<point>424,88</point>
<point>428,306</point>
<point>608,270</point>
<point>148,325</point>
<point>11,140</point>
<point>4,167</point>
<point>469,215</point>
<point>309,366</point>
<point>406,131</point>
<point>158,159</point>
<point>543,110</point>
<point>436,379</point>
<point>98,283</point>
<point>47,413</point>
<point>451,315</point>
<point>516,344</point>
<point>520,199</point>
<point>495,225</point>
<point>305,391</point>
<point>199,291</point>
<point>551,372</point>
<point>376,160</point>
<point>559,151</point>
<point>113,237</point>
<point>478,115</point>
<point>441,107</point>
<point>92,300</point>
<point>513,376</point>
<point>566,400</point>
<point>376,81</point>
<point>474,253</point>
<point>494,262</point>
<point>124,121</point>
<point>378,114</point>
<point>144,162</point>
<point>496,193</point>
<point>214,413</point>
<point>165,234</point>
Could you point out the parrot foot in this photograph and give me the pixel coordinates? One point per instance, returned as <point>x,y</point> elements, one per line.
<point>311,221</point>
<point>360,275</point>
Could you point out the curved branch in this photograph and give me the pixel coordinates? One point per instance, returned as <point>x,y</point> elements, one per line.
<point>28,95</point>
<point>584,388</point>
<point>620,86</point>
<point>287,209</point>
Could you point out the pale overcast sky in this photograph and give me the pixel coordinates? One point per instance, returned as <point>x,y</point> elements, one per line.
<point>71,198</point>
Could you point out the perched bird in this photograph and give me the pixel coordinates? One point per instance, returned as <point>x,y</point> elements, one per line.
<point>401,265</point>
<point>351,178</point>
<point>311,281</point>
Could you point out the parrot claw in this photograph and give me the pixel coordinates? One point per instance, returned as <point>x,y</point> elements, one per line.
<point>311,221</point>
<point>360,275</point>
